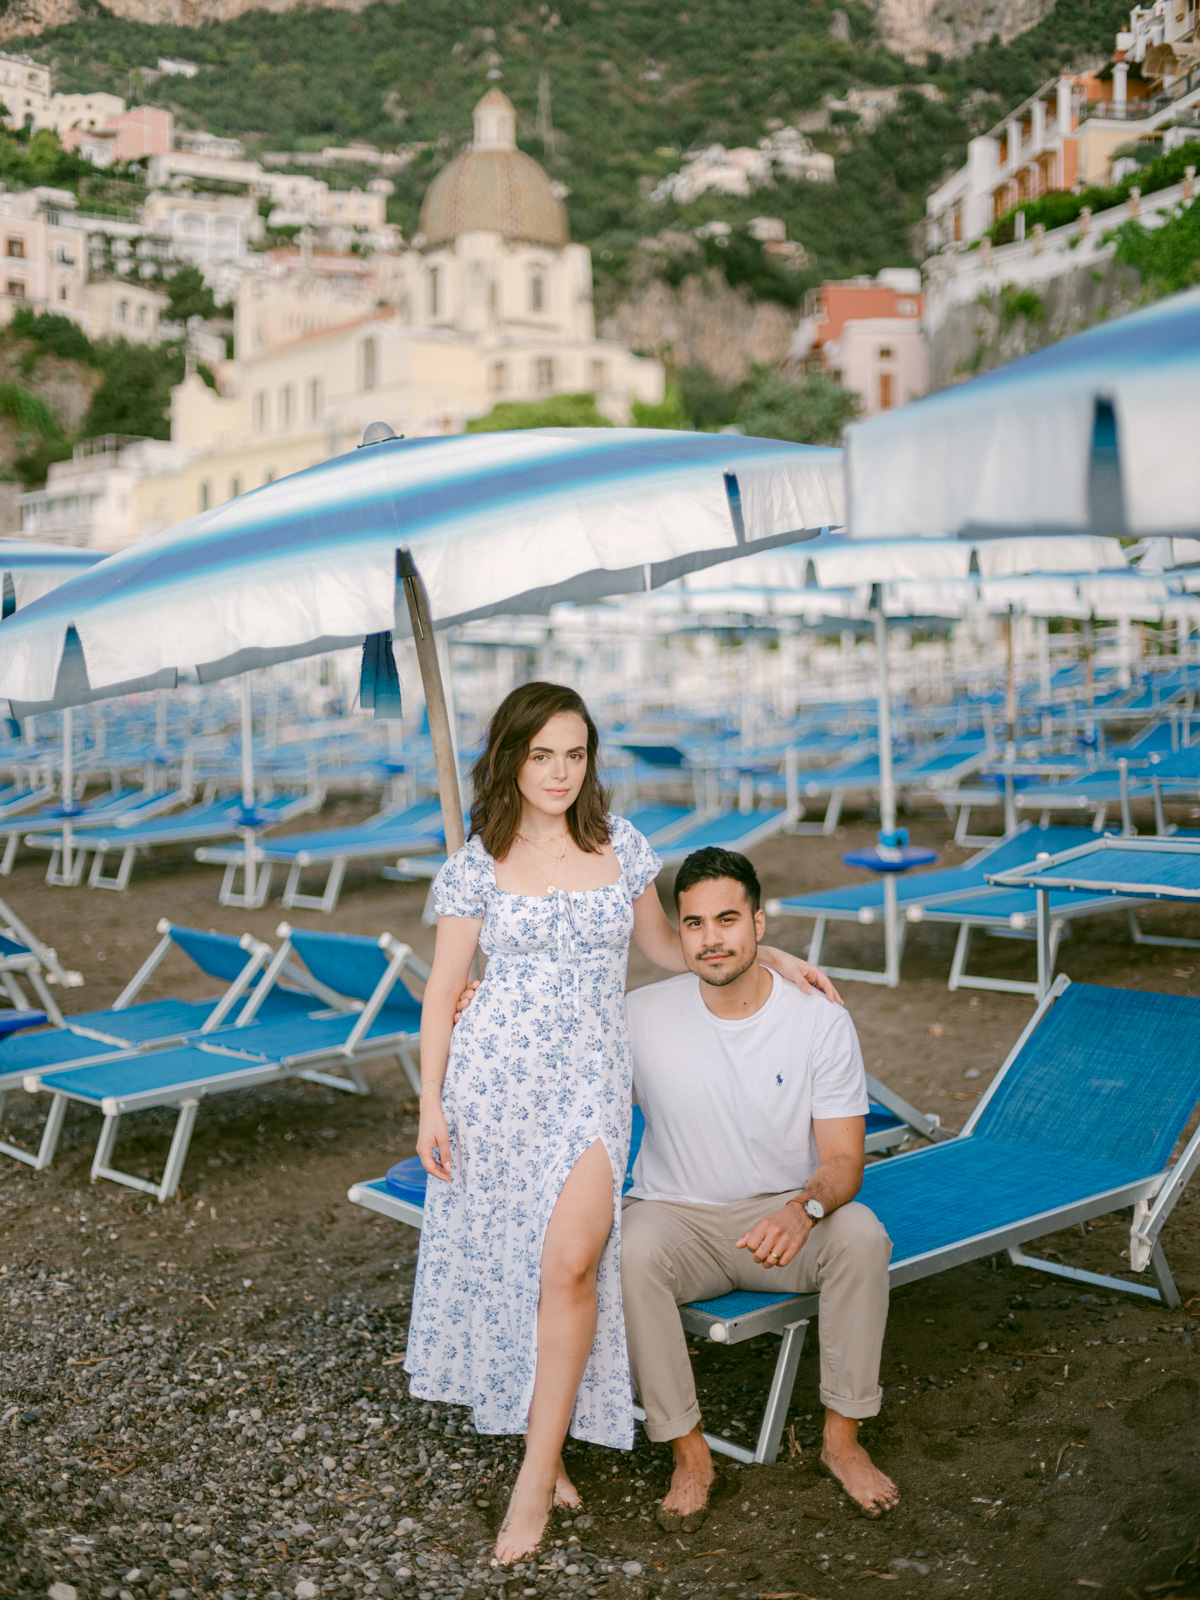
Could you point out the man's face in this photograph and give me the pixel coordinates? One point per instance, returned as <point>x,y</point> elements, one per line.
<point>719,933</point>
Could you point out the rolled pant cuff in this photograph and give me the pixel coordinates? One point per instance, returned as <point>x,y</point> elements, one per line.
<point>857,1409</point>
<point>660,1432</point>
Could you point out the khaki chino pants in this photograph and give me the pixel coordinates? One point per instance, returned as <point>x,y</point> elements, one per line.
<point>673,1252</point>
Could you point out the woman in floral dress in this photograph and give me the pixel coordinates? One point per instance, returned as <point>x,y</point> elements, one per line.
<point>525,1105</point>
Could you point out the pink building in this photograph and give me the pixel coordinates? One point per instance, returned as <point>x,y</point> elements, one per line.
<point>135,134</point>
<point>143,131</point>
<point>866,332</point>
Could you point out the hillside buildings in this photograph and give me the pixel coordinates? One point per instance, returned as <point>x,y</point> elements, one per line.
<point>866,333</point>
<point>43,264</point>
<point>745,168</point>
<point>491,302</point>
<point>1069,133</point>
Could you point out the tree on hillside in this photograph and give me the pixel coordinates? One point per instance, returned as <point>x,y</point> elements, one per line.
<point>810,409</point>
<point>136,392</point>
<point>189,295</point>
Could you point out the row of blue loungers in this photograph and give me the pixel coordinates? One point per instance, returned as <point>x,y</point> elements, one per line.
<point>318,1007</point>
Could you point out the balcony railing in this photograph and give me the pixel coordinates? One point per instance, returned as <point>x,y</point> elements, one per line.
<point>1139,110</point>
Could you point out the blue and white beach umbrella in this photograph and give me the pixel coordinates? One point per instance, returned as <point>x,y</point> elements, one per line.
<point>1095,433</point>
<point>29,569</point>
<point>494,522</point>
<point>491,522</point>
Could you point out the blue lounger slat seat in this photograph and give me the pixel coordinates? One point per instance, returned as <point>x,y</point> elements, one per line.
<point>1079,1122</point>
<point>864,903</point>
<point>417,827</point>
<point>659,823</point>
<point>357,1009</point>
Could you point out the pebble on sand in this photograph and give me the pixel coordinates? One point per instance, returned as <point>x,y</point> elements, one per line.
<point>62,1591</point>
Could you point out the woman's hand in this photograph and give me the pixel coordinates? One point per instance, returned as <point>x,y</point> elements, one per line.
<point>433,1141</point>
<point>803,974</point>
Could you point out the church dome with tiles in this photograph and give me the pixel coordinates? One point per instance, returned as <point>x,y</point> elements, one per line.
<point>493,187</point>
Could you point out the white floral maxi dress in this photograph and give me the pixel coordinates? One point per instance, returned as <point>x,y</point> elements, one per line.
<point>539,1069</point>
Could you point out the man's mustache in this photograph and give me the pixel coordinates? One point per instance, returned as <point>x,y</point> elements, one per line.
<point>715,950</point>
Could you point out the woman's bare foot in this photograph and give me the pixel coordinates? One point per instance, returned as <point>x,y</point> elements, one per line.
<point>566,1495</point>
<point>872,1491</point>
<point>524,1525</point>
<point>685,1505</point>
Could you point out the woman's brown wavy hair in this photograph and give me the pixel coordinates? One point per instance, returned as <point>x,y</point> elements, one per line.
<point>516,722</point>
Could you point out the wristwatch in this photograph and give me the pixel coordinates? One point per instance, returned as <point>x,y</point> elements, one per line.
<point>812,1207</point>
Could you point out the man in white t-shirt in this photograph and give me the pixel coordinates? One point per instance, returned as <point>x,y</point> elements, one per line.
<point>754,1096</point>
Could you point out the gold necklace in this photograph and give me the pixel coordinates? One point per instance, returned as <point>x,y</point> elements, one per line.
<point>558,859</point>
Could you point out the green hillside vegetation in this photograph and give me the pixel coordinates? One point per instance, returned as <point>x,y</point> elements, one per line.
<point>632,88</point>
<point>130,387</point>
<point>1168,258</point>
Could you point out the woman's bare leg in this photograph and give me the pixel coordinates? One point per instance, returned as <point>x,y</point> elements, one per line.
<point>578,1230</point>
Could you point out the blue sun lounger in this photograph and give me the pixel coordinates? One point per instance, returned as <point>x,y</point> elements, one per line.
<point>369,1013</point>
<point>129,1024</point>
<point>1007,913</point>
<point>391,833</point>
<point>115,808</point>
<point>865,903</point>
<point>214,819</point>
<point>1124,870</point>
<point>1079,1122</point>
<point>729,830</point>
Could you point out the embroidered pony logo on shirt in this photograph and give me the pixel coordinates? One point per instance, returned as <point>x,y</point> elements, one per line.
<point>779,1077</point>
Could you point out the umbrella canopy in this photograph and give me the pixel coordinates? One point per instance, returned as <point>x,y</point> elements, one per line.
<point>832,562</point>
<point>29,570</point>
<point>494,523</point>
<point>1031,446</point>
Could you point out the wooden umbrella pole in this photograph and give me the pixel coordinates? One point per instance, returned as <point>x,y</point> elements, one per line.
<point>435,700</point>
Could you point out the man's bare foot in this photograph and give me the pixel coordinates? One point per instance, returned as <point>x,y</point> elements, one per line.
<point>872,1491</point>
<point>524,1526</point>
<point>685,1505</point>
<point>566,1495</point>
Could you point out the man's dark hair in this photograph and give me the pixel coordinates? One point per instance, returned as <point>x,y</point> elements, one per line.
<point>703,866</point>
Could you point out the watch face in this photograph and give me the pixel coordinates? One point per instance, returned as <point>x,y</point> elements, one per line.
<point>815,1209</point>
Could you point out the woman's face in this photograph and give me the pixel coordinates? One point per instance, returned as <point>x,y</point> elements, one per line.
<point>554,769</point>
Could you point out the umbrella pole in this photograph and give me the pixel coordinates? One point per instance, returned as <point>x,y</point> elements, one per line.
<point>888,836</point>
<point>248,786</point>
<point>887,787</point>
<point>1010,692</point>
<point>68,787</point>
<point>435,702</point>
